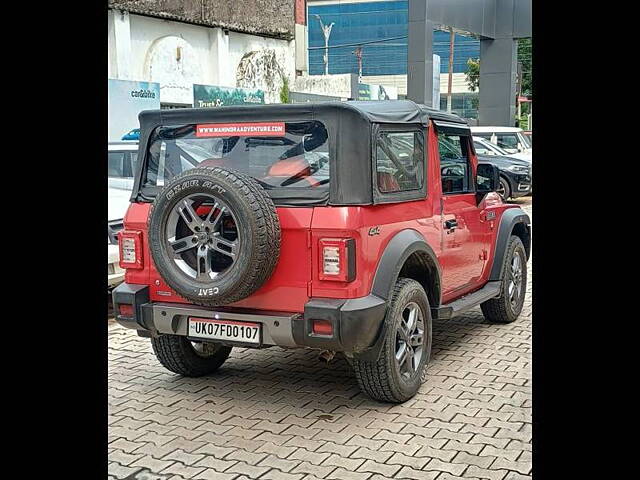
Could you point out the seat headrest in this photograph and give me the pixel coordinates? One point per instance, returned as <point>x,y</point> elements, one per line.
<point>290,167</point>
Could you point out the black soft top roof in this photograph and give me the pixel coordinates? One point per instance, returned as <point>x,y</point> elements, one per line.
<point>350,127</point>
<point>376,111</point>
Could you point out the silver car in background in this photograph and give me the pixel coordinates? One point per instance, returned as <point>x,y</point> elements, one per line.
<point>122,158</point>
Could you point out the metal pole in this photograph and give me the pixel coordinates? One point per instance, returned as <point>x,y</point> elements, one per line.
<point>358,54</point>
<point>326,31</point>
<point>451,42</point>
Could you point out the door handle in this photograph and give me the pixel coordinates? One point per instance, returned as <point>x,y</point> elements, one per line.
<point>451,224</point>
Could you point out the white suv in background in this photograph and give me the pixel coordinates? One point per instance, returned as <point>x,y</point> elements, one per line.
<point>122,158</point>
<point>485,147</point>
<point>510,139</point>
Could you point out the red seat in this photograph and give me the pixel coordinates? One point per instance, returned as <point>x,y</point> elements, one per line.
<point>212,162</point>
<point>387,182</point>
<point>290,167</point>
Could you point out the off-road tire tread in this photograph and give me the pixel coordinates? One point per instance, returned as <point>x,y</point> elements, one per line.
<point>495,309</point>
<point>373,376</point>
<point>175,354</point>
<point>266,241</point>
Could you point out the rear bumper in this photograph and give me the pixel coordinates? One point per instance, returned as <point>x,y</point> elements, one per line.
<point>356,322</point>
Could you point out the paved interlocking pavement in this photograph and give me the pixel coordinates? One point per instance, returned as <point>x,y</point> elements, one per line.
<point>282,414</point>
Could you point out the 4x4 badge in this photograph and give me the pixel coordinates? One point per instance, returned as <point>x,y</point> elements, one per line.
<point>374,231</point>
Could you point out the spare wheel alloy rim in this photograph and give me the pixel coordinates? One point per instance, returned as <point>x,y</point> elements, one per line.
<point>202,237</point>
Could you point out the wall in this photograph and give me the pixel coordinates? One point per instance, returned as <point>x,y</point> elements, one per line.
<point>177,54</point>
<point>240,44</point>
<point>260,17</point>
<point>344,85</point>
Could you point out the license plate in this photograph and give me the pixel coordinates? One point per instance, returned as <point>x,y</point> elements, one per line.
<point>227,330</point>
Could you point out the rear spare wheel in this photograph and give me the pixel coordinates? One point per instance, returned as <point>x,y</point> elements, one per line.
<point>214,235</point>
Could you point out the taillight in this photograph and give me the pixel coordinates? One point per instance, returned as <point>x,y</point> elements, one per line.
<point>322,327</point>
<point>337,259</point>
<point>130,242</point>
<point>125,310</point>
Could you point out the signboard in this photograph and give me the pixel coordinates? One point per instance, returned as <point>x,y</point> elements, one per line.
<point>370,91</point>
<point>207,96</point>
<point>261,129</point>
<point>126,99</point>
<point>435,101</point>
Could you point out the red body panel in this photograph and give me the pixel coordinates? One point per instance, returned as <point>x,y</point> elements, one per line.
<point>465,255</point>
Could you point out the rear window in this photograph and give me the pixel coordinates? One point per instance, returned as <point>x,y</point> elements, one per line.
<point>280,156</point>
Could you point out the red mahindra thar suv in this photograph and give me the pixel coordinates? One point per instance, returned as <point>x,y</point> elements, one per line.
<point>342,226</point>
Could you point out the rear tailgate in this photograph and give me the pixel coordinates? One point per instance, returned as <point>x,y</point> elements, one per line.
<point>288,288</point>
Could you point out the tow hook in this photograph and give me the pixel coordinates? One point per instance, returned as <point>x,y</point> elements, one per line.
<point>326,356</point>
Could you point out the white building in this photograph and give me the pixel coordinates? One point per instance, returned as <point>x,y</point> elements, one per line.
<point>177,51</point>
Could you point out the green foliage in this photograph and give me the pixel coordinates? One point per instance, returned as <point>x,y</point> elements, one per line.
<point>284,90</point>
<point>524,122</point>
<point>473,74</point>
<point>524,57</point>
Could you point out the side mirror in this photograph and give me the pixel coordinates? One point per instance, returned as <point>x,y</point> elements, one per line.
<point>487,178</point>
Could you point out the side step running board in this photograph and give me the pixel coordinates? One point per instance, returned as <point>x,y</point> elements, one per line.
<point>444,312</point>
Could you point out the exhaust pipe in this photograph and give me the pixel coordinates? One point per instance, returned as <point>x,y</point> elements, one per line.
<point>326,356</point>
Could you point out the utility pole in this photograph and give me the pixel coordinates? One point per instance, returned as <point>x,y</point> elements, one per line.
<point>451,42</point>
<point>326,31</point>
<point>358,54</point>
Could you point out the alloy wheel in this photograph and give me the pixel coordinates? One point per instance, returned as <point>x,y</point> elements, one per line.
<point>202,236</point>
<point>409,340</point>
<point>515,280</point>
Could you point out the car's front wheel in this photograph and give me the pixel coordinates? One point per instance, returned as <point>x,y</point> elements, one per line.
<point>400,368</point>
<point>191,359</point>
<point>504,190</point>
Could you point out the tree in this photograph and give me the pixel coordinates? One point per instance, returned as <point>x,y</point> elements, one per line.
<point>284,90</point>
<point>473,74</point>
<point>524,57</point>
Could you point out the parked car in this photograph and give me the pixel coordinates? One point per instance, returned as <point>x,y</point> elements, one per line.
<point>515,179</point>
<point>132,135</point>
<point>515,174</point>
<point>510,139</point>
<point>485,147</point>
<point>122,157</point>
<point>323,226</point>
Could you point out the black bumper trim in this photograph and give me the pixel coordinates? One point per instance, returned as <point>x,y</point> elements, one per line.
<point>130,294</point>
<point>356,323</point>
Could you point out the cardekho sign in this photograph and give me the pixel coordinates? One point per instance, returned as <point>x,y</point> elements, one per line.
<point>126,100</point>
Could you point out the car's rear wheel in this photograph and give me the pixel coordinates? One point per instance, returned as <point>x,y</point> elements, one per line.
<point>400,368</point>
<point>507,307</point>
<point>184,357</point>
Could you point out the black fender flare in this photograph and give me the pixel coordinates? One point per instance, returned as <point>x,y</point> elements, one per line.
<point>398,250</point>
<point>400,247</point>
<point>510,218</point>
